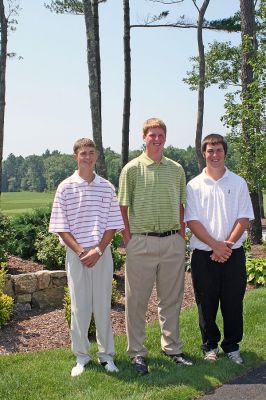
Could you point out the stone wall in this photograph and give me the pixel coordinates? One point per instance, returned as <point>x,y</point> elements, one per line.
<point>40,289</point>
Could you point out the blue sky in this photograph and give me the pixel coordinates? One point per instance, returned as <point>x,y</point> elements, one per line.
<point>48,105</point>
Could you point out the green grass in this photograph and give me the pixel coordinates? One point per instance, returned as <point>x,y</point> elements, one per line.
<point>14,203</point>
<point>46,375</point>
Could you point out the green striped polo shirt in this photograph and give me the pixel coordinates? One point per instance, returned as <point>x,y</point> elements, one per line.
<point>153,193</point>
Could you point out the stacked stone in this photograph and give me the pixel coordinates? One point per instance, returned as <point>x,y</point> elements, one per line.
<point>42,289</point>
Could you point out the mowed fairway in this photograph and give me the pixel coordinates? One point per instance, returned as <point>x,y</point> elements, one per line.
<point>14,203</point>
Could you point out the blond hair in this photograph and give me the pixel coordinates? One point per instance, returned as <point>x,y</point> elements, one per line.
<point>153,123</point>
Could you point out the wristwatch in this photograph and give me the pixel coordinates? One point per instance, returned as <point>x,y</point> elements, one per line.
<point>81,253</point>
<point>98,251</point>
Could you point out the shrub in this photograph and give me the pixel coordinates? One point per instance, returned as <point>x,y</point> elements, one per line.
<point>26,227</point>
<point>115,293</point>
<point>50,251</point>
<point>118,257</point>
<point>2,275</point>
<point>6,308</point>
<point>188,235</point>
<point>256,271</point>
<point>6,233</point>
<point>67,306</point>
<point>247,245</point>
<point>6,302</point>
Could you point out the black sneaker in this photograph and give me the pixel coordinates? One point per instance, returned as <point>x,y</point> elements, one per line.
<point>179,359</point>
<point>140,365</point>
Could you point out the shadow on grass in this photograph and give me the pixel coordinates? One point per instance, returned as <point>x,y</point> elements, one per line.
<point>201,376</point>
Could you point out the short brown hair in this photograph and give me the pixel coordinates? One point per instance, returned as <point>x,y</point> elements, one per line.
<point>213,138</point>
<point>153,123</point>
<point>83,143</point>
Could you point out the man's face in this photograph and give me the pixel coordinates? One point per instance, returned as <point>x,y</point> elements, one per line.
<point>155,140</point>
<point>214,155</point>
<point>86,157</point>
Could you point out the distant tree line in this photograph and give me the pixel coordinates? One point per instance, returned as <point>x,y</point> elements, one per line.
<point>43,173</point>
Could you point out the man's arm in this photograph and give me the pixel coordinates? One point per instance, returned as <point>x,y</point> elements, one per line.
<point>126,232</point>
<point>182,223</point>
<point>89,257</point>
<point>70,241</point>
<point>220,248</point>
<point>238,229</point>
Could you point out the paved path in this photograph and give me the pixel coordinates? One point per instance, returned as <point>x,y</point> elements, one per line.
<point>251,386</point>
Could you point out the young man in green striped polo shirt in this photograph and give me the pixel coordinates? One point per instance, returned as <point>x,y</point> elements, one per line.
<point>152,191</point>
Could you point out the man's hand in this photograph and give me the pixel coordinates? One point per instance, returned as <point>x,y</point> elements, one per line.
<point>221,252</point>
<point>90,258</point>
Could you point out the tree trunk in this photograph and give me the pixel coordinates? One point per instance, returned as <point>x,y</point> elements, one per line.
<point>127,84</point>
<point>93,60</point>
<point>3,56</point>
<point>262,213</point>
<point>247,15</point>
<point>201,86</point>
<point>255,224</point>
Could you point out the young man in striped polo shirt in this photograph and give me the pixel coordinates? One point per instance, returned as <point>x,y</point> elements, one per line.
<point>85,215</point>
<point>151,197</point>
<point>218,211</point>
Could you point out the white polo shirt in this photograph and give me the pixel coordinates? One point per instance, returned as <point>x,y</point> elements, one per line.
<point>85,209</point>
<point>217,205</point>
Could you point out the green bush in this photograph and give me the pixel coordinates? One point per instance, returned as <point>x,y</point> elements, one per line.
<point>6,308</point>
<point>26,227</point>
<point>188,252</point>
<point>2,275</point>
<point>6,233</point>
<point>118,257</point>
<point>256,271</point>
<point>247,245</point>
<point>67,306</point>
<point>6,302</point>
<point>50,251</point>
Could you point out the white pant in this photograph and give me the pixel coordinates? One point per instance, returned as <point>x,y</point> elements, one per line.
<point>90,292</point>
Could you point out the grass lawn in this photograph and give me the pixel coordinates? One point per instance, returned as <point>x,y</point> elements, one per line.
<point>46,375</point>
<point>13,203</point>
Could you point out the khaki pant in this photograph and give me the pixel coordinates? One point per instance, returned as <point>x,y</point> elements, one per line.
<point>152,259</point>
<point>90,292</point>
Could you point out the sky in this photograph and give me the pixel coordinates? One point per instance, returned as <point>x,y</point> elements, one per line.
<point>47,102</point>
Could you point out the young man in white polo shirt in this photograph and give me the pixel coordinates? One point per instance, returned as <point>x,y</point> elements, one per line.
<point>218,211</point>
<point>85,215</point>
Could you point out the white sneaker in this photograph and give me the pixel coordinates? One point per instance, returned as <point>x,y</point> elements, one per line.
<point>110,366</point>
<point>78,369</point>
<point>211,355</point>
<point>235,357</point>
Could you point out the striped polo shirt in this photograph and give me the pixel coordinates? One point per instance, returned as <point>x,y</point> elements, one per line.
<point>153,193</point>
<point>85,209</point>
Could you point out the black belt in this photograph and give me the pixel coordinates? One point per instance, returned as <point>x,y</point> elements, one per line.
<point>160,234</point>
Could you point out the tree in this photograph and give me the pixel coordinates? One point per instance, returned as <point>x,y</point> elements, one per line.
<point>201,85</point>
<point>12,172</point>
<point>33,178</point>
<point>127,84</point>
<point>249,126</point>
<point>89,8</point>
<point>6,20</point>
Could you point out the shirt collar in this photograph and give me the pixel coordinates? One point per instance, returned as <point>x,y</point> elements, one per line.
<point>77,179</point>
<point>148,161</point>
<point>210,178</point>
